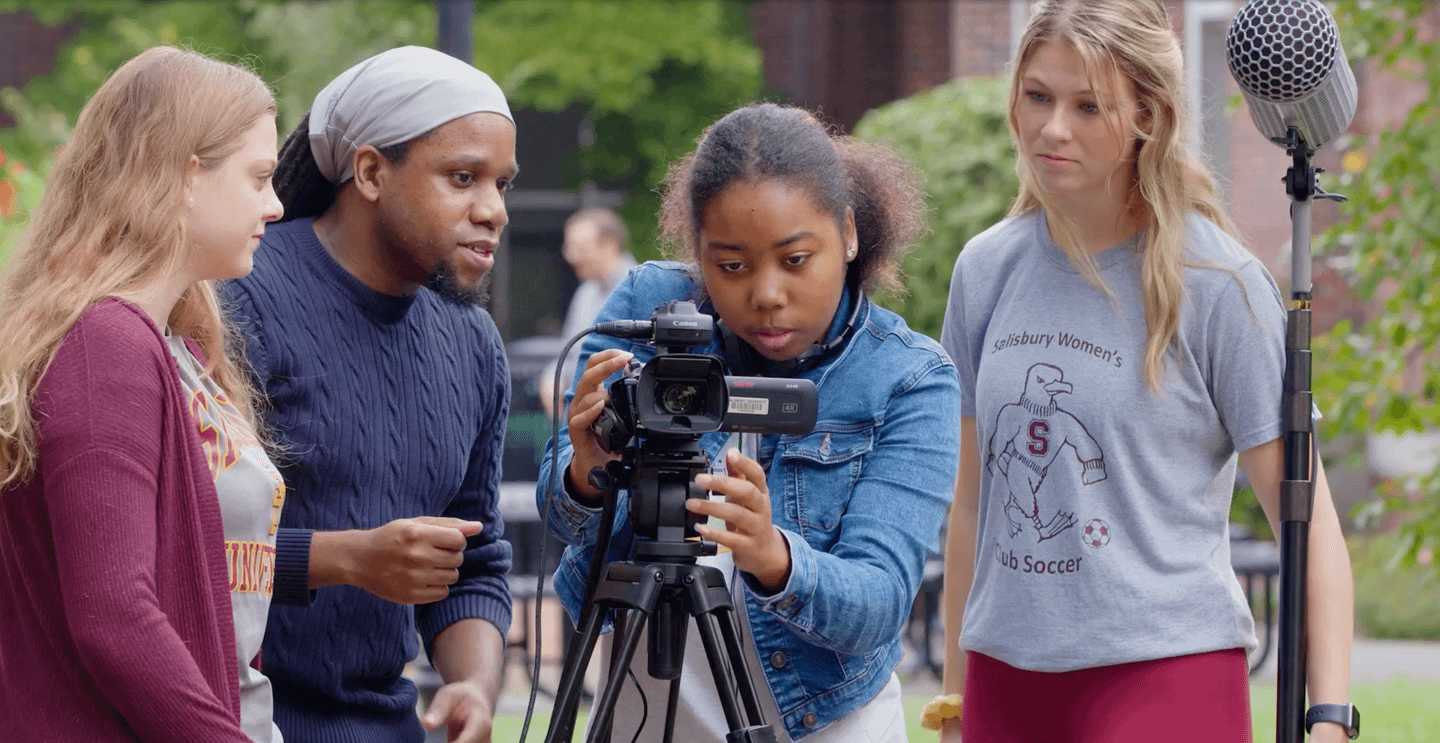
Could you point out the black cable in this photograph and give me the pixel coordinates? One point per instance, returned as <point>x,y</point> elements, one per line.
<point>644,705</point>
<point>617,329</point>
<point>550,489</point>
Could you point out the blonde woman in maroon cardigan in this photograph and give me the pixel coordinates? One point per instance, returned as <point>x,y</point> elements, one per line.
<point>115,596</point>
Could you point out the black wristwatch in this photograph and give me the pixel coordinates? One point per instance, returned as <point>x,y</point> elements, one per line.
<point>1345,714</point>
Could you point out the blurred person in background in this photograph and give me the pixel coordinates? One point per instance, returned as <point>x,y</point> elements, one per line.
<point>597,249</point>
<point>139,510</point>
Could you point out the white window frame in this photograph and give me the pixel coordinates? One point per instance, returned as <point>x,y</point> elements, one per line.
<point>1019,13</point>
<point>1198,13</point>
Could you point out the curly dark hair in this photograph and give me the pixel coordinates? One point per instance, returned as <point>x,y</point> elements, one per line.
<point>767,141</point>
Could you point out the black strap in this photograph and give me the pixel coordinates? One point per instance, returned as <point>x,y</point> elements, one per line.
<point>1346,715</point>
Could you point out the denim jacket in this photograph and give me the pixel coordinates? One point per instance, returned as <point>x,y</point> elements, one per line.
<point>859,499</point>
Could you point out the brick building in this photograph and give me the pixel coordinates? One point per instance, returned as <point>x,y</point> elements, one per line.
<point>844,57</point>
<point>30,47</point>
<point>847,56</point>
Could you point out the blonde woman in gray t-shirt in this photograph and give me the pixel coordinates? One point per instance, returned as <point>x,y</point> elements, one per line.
<point>1118,351</point>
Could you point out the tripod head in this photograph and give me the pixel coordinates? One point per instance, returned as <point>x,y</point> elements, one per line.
<point>660,475</point>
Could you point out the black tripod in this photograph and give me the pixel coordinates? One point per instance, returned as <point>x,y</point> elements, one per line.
<point>665,589</point>
<point>1297,490</point>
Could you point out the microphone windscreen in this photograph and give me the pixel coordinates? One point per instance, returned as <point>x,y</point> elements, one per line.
<point>1287,58</point>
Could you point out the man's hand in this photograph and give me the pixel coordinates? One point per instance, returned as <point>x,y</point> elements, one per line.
<point>465,711</point>
<point>470,657</point>
<point>407,561</point>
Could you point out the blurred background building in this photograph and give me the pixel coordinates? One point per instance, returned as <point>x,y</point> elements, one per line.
<point>841,58</point>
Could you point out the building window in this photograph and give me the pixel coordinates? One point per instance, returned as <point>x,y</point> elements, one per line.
<point>1207,82</point>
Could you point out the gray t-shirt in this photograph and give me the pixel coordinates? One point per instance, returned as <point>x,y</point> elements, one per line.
<point>1103,528</point>
<point>251,495</point>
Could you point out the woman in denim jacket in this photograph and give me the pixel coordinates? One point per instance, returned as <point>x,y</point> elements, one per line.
<point>782,223</point>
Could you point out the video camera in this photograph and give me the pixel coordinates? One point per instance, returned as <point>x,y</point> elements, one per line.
<point>667,404</point>
<point>664,407</point>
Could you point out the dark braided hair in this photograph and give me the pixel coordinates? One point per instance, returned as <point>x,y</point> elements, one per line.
<point>302,188</point>
<point>766,141</point>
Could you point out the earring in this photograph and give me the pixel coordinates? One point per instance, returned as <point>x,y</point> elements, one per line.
<point>851,252</point>
<point>191,201</point>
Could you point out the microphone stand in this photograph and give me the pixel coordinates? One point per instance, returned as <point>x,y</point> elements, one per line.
<point>1297,490</point>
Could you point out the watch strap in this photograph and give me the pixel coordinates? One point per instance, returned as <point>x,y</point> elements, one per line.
<point>1346,715</point>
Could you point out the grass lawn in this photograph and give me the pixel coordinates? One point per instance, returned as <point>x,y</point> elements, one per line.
<point>1395,711</point>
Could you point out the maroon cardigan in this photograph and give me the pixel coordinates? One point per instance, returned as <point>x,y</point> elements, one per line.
<point>115,619</point>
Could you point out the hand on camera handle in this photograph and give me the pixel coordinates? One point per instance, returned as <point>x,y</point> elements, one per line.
<point>591,395</point>
<point>758,546</point>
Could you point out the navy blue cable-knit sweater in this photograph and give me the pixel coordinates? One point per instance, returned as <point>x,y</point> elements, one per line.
<point>385,407</point>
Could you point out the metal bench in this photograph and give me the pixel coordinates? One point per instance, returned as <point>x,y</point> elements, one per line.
<point>1257,566</point>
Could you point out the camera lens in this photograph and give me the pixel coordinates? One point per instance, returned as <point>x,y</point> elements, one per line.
<point>683,398</point>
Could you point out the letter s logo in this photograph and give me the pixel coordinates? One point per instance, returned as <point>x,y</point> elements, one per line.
<point>1039,438</point>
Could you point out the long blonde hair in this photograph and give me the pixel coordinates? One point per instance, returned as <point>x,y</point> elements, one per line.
<point>111,221</point>
<point>1135,39</point>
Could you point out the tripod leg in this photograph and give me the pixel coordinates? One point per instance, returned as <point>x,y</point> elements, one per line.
<point>670,708</point>
<point>572,677</point>
<point>722,670</point>
<point>604,710</point>
<point>730,632</point>
<point>612,656</point>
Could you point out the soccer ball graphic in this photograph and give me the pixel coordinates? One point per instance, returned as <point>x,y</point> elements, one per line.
<point>1096,533</point>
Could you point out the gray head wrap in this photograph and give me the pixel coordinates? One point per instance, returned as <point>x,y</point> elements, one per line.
<point>394,97</point>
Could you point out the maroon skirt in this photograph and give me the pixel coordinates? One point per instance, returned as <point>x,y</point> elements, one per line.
<point>1203,697</point>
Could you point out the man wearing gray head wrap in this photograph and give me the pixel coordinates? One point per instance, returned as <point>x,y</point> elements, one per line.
<point>387,390</point>
<point>391,98</point>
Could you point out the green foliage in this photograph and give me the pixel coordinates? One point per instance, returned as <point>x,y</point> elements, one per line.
<point>1246,511</point>
<point>1385,375</point>
<point>1394,600</point>
<point>27,183</point>
<point>957,134</point>
<point>650,74</point>
<point>1398,710</point>
<point>301,46</point>
<point>111,32</point>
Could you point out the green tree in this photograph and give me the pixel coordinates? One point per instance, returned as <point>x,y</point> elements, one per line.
<point>25,185</point>
<point>957,134</point>
<point>1385,374</point>
<point>112,31</point>
<point>650,74</point>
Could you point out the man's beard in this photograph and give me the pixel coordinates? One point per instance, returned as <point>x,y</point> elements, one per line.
<point>442,281</point>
